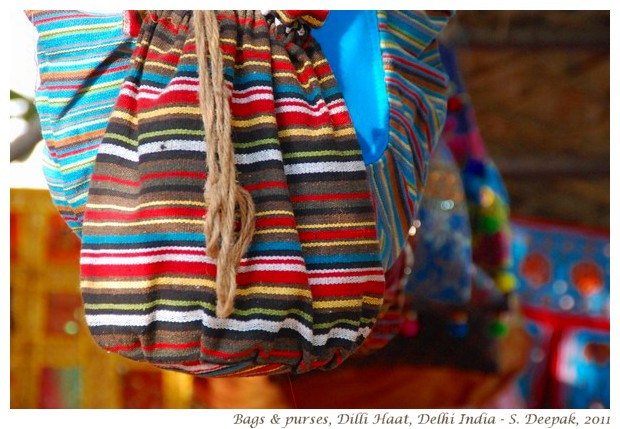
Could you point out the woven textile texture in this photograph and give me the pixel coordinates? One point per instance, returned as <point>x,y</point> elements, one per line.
<point>82,61</point>
<point>311,283</point>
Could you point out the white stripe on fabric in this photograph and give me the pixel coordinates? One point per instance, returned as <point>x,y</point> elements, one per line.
<point>323,167</point>
<point>184,145</point>
<point>260,156</point>
<point>121,152</point>
<point>144,260</point>
<point>224,324</point>
<point>320,104</point>
<point>252,97</point>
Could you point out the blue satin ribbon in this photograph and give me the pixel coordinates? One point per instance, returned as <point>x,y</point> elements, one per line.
<point>350,42</point>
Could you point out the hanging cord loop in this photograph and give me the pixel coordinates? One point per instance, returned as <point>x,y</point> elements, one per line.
<point>226,201</point>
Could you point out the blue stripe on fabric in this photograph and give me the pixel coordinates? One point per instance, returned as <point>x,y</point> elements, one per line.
<point>144,238</point>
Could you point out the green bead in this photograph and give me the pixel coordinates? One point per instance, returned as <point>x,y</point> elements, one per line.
<point>489,224</point>
<point>498,329</point>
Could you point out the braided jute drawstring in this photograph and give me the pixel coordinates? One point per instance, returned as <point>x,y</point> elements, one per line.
<point>225,199</point>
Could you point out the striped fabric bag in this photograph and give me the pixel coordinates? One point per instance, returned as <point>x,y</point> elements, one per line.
<point>289,276</point>
<point>82,61</point>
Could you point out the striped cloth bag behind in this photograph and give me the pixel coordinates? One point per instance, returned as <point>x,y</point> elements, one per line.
<point>82,61</point>
<point>307,291</point>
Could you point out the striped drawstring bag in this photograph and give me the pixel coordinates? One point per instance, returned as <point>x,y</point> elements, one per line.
<point>229,228</point>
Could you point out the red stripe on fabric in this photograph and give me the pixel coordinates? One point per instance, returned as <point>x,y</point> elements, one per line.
<point>307,121</point>
<point>253,108</point>
<point>114,179</point>
<point>123,347</point>
<point>334,235</point>
<point>165,174</point>
<point>562,321</point>
<point>171,99</point>
<point>170,58</point>
<point>357,273</point>
<point>128,271</point>
<point>172,346</point>
<point>168,24</point>
<point>263,185</point>
<point>249,54</point>
<point>182,212</point>
<point>256,23</point>
<point>260,351</point>
<point>275,222</point>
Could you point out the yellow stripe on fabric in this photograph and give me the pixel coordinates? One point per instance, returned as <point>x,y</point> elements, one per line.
<point>246,123</point>
<point>312,20</point>
<point>122,138</point>
<point>252,63</point>
<point>275,231</point>
<point>159,50</point>
<point>163,65</point>
<point>202,304</point>
<point>338,243</point>
<point>273,290</point>
<point>355,302</point>
<point>246,46</point>
<point>325,131</point>
<point>59,135</point>
<point>193,282</point>
<point>79,165</point>
<point>275,212</point>
<point>257,370</point>
<point>85,112</point>
<point>166,203</point>
<point>80,48</point>
<point>311,80</point>
<point>326,78</point>
<point>305,65</point>
<point>172,131</point>
<point>61,101</point>
<point>322,153</point>
<point>356,323</point>
<point>146,284</point>
<point>262,142</point>
<point>164,111</point>
<point>117,114</point>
